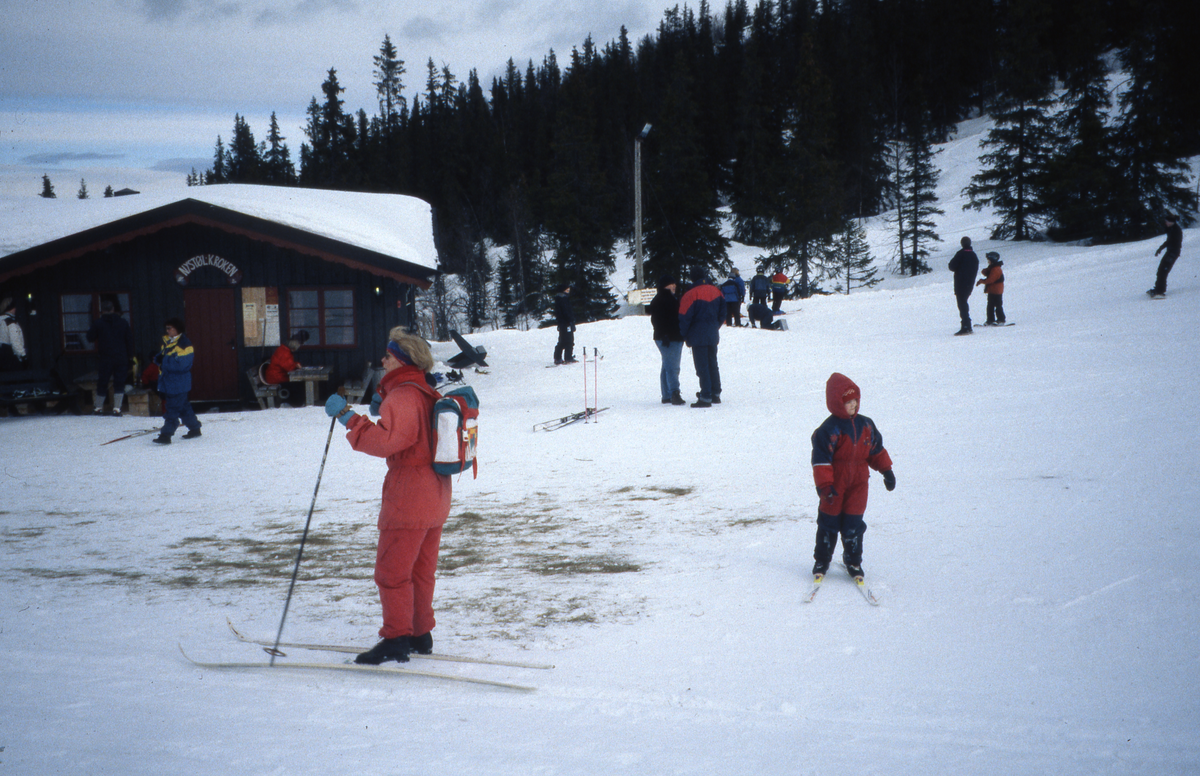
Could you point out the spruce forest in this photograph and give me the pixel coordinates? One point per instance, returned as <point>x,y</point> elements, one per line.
<point>780,125</point>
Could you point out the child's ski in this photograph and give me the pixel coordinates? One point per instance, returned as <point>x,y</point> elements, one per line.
<point>142,432</point>
<point>816,588</point>
<point>872,599</point>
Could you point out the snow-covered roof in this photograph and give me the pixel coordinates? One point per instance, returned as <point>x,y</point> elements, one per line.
<point>392,225</point>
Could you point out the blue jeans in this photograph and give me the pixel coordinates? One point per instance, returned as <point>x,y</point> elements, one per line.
<point>707,372</point>
<point>668,376</point>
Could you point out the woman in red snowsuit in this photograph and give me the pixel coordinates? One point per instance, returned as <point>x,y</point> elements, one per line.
<point>416,499</point>
<point>844,448</point>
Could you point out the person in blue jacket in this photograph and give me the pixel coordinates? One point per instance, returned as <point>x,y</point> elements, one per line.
<point>734,290</point>
<point>174,381</point>
<point>701,313</point>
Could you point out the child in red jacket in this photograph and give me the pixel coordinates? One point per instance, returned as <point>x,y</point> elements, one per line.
<point>844,448</point>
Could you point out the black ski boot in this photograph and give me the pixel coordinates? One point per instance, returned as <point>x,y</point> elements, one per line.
<point>422,645</point>
<point>389,649</point>
<point>820,568</point>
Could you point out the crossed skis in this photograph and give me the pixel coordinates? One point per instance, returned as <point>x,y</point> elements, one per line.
<point>859,582</point>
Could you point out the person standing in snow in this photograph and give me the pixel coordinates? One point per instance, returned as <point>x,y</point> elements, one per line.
<point>760,287</point>
<point>734,290</point>
<point>964,265</point>
<point>844,448</point>
<point>664,318</point>
<point>114,344</point>
<point>1173,246</point>
<point>701,314</point>
<point>564,318</point>
<point>174,381</point>
<point>416,499</point>
<point>779,283</point>
<point>12,339</point>
<point>993,286</point>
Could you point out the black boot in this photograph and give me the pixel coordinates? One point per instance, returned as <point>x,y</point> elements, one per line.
<point>389,649</point>
<point>852,550</point>
<point>823,552</point>
<point>422,645</point>
<point>677,400</point>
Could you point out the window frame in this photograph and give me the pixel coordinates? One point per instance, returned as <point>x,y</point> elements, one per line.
<point>124,300</point>
<point>322,326</point>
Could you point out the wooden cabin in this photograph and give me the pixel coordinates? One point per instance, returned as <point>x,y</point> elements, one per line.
<point>245,268</point>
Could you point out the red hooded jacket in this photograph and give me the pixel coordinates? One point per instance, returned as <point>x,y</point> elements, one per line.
<point>282,362</point>
<point>414,495</point>
<point>844,448</point>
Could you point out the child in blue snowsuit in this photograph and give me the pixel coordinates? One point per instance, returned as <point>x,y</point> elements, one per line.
<point>174,381</point>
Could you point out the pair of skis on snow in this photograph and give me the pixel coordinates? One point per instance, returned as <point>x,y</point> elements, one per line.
<point>387,670</point>
<point>859,582</point>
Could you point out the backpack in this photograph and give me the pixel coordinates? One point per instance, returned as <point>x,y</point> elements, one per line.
<point>455,427</point>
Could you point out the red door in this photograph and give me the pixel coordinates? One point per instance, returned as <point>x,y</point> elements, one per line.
<point>211,320</point>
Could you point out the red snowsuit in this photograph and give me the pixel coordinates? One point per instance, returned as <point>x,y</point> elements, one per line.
<point>416,502</point>
<point>843,449</point>
<point>282,362</point>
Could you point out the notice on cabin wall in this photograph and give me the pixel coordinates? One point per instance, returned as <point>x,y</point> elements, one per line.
<point>253,315</point>
<point>271,326</point>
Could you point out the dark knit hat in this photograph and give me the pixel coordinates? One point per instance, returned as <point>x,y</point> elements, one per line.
<point>175,323</point>
<point>993,256</point>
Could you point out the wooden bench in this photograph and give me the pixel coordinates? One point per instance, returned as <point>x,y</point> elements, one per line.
<point>356,389</point>
<point>265,393</point>
<point>37,388</point>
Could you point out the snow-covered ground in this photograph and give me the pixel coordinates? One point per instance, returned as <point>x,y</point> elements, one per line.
<point>1038,562</point>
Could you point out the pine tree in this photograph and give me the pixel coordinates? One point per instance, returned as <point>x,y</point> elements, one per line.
<point>276,159</point>
<point>108,190</point>
<point>325,159</point>
<point>83,192</point>
<point>1153,174</point>
<point>47,188</point>
<point>1080,181</point>
<point>243,162</point>
<point>220,169</point>
<point>389,87</point>
<point>810,210</point>
<point>682,221</point>
<point>848,259</point>
<point>916,187</point>
<point>1013,175</point>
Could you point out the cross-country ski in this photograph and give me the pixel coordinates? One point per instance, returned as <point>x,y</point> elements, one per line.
<point>387,670</point>
<point>359,649</point>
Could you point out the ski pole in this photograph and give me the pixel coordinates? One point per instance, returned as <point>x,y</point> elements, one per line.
<point>274,651</point>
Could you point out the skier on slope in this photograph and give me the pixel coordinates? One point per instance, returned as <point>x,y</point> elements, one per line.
<point>1173,246</point>
<point>843,448</point>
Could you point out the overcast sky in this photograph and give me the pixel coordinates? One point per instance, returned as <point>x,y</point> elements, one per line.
<point>88,84</point>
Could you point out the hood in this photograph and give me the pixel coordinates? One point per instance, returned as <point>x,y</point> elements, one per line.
<point>840,389</point>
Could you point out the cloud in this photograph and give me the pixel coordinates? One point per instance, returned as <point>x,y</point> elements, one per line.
<point>67,157</point>
<point>182,164</point>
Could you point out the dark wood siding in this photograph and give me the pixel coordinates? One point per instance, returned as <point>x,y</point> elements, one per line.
<point>145,267</point>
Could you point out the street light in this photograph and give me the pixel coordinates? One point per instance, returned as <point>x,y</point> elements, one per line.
<point>637,208</point>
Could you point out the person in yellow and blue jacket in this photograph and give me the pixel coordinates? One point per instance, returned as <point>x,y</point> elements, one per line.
<point>174,381</point>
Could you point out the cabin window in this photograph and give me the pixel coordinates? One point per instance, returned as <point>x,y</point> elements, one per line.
<point>325,314</point>
<point>78,312</point>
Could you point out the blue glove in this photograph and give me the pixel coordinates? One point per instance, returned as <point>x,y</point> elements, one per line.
<point>376,400</point>
<point>336,407</point>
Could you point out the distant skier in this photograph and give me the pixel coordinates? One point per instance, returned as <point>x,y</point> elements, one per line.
<point>993,286</point>
<point>843,448</point>
<point>760,287</point>
<point>664,318</point>
<point>564,319</point>
<point>964,265</point>
<point>779,283</point>
<point>1173,247</point>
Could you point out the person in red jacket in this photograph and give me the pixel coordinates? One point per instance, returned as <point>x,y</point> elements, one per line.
<point>283,363</point>
<point>993,285</point>
<point>844,448</point>
<point>416,499</point>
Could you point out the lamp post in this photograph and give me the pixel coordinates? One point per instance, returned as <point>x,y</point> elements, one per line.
<point>637,209</point>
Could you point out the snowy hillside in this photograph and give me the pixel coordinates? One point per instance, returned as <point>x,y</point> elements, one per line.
<point>1038,562</point>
